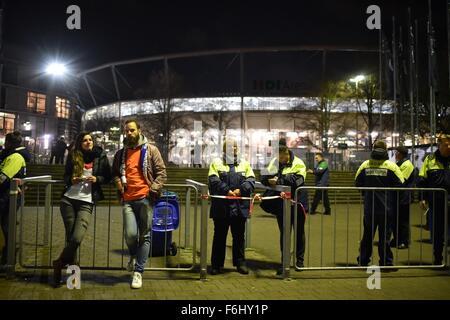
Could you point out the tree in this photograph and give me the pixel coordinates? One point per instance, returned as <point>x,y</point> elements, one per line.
<point>331,95</point>
<point>368,91</point>
<point>162,88</point>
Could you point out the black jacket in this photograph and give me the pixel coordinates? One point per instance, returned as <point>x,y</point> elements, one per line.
<point>223,178</point>
<point>381,173</point>
<point>101,169</point>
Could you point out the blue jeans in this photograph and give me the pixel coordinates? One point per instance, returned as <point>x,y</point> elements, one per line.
<point>137,221</point>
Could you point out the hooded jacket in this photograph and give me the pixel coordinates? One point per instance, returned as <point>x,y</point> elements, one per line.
<point>101,170</point>
<point>151,163</point>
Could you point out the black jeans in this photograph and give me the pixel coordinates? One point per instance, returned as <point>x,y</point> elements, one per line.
<point>221,226</point>
<point>319,196</point>
<point>300,240</point>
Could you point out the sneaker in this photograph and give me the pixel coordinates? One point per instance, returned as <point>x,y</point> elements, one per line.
<point>131,264</point>
<point>137,280</point>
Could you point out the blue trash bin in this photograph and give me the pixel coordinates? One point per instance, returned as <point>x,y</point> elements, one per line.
<point>166,218</point>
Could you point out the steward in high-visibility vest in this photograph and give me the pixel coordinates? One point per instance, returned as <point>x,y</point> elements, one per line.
<point>288,170</point>
<point>230,176</point>
<point>400,222</point>
<point>435,173</point>
<point>13,161</point>
<point>379,206</point>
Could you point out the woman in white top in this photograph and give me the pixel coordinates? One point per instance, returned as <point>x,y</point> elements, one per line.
<point>87,167</point>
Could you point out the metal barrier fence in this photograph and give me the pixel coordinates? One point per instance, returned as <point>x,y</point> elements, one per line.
<point>342,230</point>
<point>41,233</point>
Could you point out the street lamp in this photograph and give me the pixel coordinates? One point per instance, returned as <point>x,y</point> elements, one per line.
<point>357,79</point>
<point>56,69</point>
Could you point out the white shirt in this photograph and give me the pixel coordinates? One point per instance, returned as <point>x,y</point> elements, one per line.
<point>81,191</point>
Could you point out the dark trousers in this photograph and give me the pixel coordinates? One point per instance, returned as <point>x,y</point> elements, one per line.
<point>221,226</point>
<point>4,224</point>
<point>400,225</point>
<point>321,195</point>
<point>371,224</point>
<point>439,229</point>
<point>59,158</point>
<point>76,216</point>
<point>4,217</point>
<point>300,240</point>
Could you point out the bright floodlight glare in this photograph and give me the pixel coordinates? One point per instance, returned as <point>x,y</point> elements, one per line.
<point>358,78</point>
<point>56,69</point>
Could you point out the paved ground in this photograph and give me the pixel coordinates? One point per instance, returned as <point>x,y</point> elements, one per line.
<point>329,245</point>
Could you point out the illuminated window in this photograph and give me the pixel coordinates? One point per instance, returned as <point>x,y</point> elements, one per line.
<point>6,122</point>
<point>62,108</point>
<point>36,102</point>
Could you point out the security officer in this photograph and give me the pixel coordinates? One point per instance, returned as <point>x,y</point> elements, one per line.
<point>400,223</point>
<point>13,160</point>
<point>435,173</point>
<point>379,206</point>
<point>287,170</point>
<point>230,176</point>
<point>322,177</point>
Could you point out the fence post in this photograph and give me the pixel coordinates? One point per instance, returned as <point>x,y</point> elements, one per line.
<point>203,232</point>
<point>47,210</point>
<point>446,230</point>
<point>286,232</point>
<point>248,233</point>
<point>11,261</point>
<point>187,226</point>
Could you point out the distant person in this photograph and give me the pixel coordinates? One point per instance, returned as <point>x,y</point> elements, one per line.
<point>400,223</point>
<point>53,152</point>
<point>13,160</point>
<point>87,167</point>
<point>379,206</point>
<point>60,149</point>
<point>322,177</point>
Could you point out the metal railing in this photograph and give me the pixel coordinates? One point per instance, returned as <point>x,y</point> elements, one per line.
<point>347,219</point>
<point>40,235</point>
<point>286,224</point>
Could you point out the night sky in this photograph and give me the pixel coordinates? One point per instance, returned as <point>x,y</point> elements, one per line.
<point>35,31</point>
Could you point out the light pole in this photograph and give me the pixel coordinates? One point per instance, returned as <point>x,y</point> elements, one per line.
<point>356,80</point>
<point>61,73</point>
